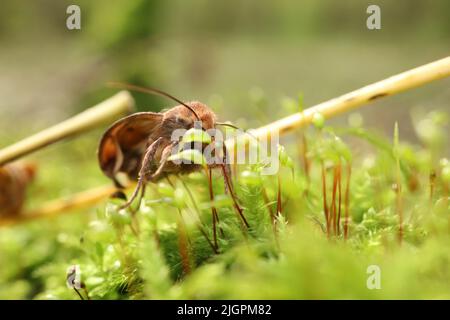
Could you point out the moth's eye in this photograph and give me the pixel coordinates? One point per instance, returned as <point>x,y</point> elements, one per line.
<point>182,121</point>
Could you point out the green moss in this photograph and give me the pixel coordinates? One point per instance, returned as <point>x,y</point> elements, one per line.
<point>290,257</point>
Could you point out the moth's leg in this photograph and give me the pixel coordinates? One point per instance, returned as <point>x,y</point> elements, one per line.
<point>141,196</point>
<point>134,210</point>
<point>142,188</point>
<point>148,157</point>
<point>134,223</point>
<point>166,153</point>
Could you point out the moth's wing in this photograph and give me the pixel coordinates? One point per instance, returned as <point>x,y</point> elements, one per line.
<point>123,144</point>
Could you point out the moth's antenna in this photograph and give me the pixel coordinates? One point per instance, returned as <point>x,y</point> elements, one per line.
<point>225,124</point>
<point>132,87</point>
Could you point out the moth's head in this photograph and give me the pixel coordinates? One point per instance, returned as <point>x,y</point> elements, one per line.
<point>206,115</point>
<point>198,114</point>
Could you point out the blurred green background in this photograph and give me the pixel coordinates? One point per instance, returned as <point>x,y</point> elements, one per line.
<point>215,52</point>
<point>240,57</point>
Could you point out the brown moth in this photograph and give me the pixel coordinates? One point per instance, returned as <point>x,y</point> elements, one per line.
<point>139,145</point>
<point>14,179</point>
